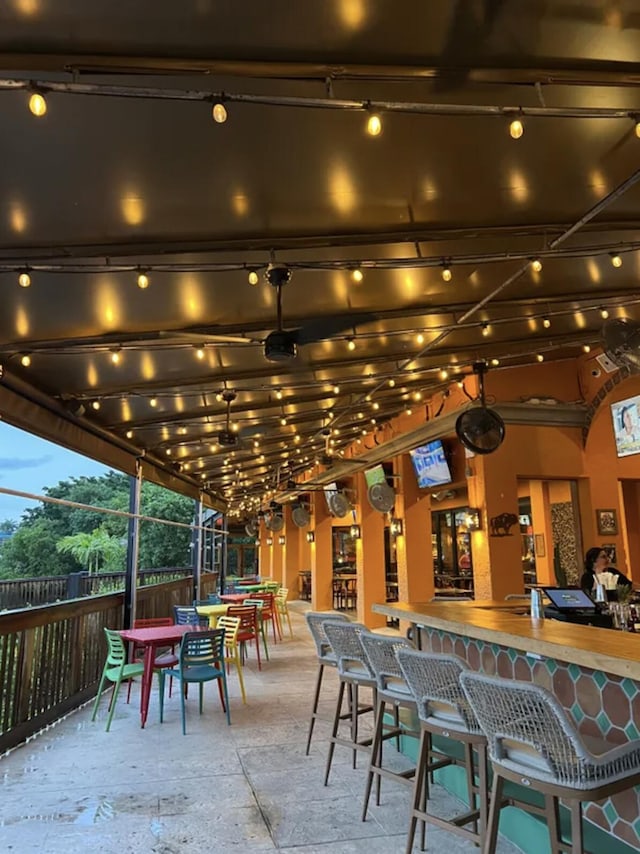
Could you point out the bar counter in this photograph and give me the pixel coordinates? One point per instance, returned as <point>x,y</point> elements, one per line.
<point>594,673</point>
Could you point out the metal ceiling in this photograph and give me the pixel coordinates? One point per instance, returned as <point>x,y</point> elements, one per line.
<point>127,172</point>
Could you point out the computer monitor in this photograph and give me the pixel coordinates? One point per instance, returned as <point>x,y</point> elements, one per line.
<point>569,599</point>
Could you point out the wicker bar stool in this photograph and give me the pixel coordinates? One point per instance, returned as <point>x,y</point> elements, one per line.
<point>443,709</point>
<point>355,673</point>
<point>326,657</point>
<point>533,742</point>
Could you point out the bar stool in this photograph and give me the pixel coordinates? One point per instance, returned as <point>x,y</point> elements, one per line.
<point>326,657</point>
<point>443,709</point>
<point>355,673</point>
<point>533,742</point>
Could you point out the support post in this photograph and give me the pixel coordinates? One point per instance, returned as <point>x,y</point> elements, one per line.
<point>133,549</point>
<point>197,549</point>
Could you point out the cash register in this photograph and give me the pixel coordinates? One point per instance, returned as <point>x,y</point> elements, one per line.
<point>573,605</point>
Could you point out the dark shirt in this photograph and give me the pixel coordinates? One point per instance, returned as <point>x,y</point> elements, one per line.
<point>587,582</point>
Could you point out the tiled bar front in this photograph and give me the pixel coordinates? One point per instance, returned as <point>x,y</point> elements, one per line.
<point>599,701</point>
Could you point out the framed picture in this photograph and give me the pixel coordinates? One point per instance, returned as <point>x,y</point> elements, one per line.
<point>607,522</point>
<point>539,545</point>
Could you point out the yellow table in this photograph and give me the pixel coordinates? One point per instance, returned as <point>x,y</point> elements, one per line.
<point>213,612</point>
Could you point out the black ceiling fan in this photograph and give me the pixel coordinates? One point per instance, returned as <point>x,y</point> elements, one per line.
<point>479,428</point>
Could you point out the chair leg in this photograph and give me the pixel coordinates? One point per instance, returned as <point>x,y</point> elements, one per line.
<point>334,731</point>
<point>494,814</point>
<point>314,708</point>
<point>103,679</point>
<point>201,695</point>
<point>420,787</point>
<point>576,828</point>
<point>375,760</point>
<point>552,817</point>
<point>235,658</point>
<point>112,706</point>
<point>184,711</point>
<point>225,703</point>
<point>161,693</point>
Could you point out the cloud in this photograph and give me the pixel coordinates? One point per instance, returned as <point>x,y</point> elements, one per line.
<point>15,464</point>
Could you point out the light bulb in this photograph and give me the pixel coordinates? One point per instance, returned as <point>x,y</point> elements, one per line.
<point>444,374</point>
<point>37,104</point>
<point>616,260</point>
<point>516,129</point>
<point>546,322</point>
<point>283,421</point>
<point>115,357</point>
<point>536,265</point>
<point>351,344</point>
<point>446,274</point>
<point>485,329</point>
<point>420,338</point>
<point>408,410</point>
<point>540,357</point>
<point>24,280</point>
<point>129,434</point>
<point>253,277</point>
<point>336,389</point>
<point>199,352</point>
<point>25,361</point>
<point>586,348</point>
<point>153,401</point>
<point>143,281</point>
<point>638,129</point>
<point>374,125</point>
<point>604,314</point>
<point>495,362</point>
<point>95,405</point>
<point>219,113</point>
<point>392,382</point>
<point>357,275</point>
<point>279,394</point>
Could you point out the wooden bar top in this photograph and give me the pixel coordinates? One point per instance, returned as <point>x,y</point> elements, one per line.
<point>608,650</point>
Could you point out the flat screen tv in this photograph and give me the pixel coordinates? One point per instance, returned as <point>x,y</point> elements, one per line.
<point>626,426</point>
<point>430,464</point>
<point>375,475</point>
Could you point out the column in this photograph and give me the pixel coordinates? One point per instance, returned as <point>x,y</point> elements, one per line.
<point>541,520</point>
<point>322,556</point>
<point>370,560</point>
<point>291,565</point>
<point>413,550</point>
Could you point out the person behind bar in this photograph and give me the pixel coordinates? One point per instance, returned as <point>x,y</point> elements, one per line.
<point>596,561</point>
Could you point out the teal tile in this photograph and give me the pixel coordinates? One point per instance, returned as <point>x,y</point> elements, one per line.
<point>576,713</point>
<point>631,731</point>
<point>630,688</point>
<point>600,678</point>
<point>610,812</point>
<point>512,653</point>
<point>551,665</point>
<point>636,826</point>
<point>603,722</point>
<point>574,672</point>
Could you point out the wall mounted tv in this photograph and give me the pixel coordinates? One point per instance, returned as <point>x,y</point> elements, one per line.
<point>626,426</point>
<point>430,464</point>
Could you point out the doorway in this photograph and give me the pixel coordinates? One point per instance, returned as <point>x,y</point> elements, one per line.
<point>451,551</point>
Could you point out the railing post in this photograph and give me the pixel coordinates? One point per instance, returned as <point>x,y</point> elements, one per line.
<point>74,589</point>
<point>197,550</point>
<point>133,543</point>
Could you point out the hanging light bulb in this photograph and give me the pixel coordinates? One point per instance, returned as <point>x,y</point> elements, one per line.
<point>115,357</point>
<point>143,280</point>
<point>357,275</point>
<point>546,322</point>
<point>283,421</point>
<point>374,125</point>
<point>443,374</point>
<point>536,265</point>
<point>153,402</point>
<point>638,129</point>
<point>616,260</point>
<point>37,104</point>
<point>199,353</point>
<point>495,362</point>
<point>516,129</point>
<point>540,357</point>
<point>219,113</point>
<point>129,434</point>
<point>95,404</point>
<point>392,383</point>
<point>586,348</point>
<point>336,389</point>
<point>24,279</point>
<point>279,394</point>
<point>419,338</point>
<point>446,274</point>
<point>25,360</point>
<point>351,344</point>
<point>485,329</point>
<point>604,314</point>
<point>253,277</point>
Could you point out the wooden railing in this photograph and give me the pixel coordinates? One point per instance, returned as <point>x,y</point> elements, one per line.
<point>51,656</point>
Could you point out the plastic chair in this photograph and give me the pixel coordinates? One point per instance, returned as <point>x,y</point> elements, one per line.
<point>355,673</point>
<point>201,660</point>
<point>166,658</point>
<point>283,608</point>
<point>326,657</point>
<point>249,628</point>
<point>533,741</point>
<point>115,670</point>
<point>186,615</point>
<point>231,626</point>
<point>213,599</point>
<point>443,710</point>
<point>268,612</point>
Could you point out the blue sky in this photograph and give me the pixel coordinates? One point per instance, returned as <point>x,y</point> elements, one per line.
<point>28,463</point>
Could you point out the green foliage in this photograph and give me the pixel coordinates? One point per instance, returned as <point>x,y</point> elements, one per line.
<point>33,549</point>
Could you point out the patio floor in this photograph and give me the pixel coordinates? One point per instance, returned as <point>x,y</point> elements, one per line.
<point>248,787</point>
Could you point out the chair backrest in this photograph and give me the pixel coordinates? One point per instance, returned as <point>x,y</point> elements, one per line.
<point>434,681</point>
<point>315,622</point>
<point>282,594</point>
<point>528,730</point>
<point>231,626</point>
<point>152,622</point>
<point>213,599</point>
<point>266,600</point>
<point>200,649</point>
<point>116,650</point>
<point>248,615</point>
<point>345,642</point>
<point>186,615</point>
<point>381,653</point>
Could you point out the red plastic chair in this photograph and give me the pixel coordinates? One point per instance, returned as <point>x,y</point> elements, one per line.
<point>269,612</point>
<point>249,628</point>
<point>167,658</point>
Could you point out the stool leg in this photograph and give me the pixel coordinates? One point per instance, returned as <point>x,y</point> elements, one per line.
<point>468,768</point>
<point>551,815</point>
<point>314,708</point>
<point>420,787</point>
<point>483,793</point>
<point>376,758</point>
<point>353,688</point>
<point>334,732</point>
<point>576,828</point>
<point>494,814</point>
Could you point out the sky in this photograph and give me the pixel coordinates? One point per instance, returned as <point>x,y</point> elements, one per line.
<point>28,464</point>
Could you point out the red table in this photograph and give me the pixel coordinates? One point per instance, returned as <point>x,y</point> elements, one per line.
<point>151,639</point>
<point>234,598</point>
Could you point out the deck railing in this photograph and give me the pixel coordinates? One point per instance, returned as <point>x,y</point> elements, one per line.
<point>51,656</point>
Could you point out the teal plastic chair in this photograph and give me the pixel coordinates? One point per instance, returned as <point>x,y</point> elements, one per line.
<point>201,660</point>
<point>116,670</point>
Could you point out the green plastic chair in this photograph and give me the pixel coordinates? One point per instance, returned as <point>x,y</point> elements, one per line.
<point>116,670</point>
<point>201,659</point>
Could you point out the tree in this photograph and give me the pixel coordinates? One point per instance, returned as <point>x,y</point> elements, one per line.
<point>8,526</point>
<point>96,551</point>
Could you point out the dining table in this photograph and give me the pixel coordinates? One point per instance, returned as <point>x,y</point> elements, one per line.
<point>153,638</point>
<point>213,611</point>
<point>234,598</point>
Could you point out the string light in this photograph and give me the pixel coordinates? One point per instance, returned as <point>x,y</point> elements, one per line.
<point>336,389</point>
<point>129,434</point>
<point>357,275</point>
<point>278,394</point>
<point>25,360</point>
<point>37,104</point>
<point>153,402</point>
<point>219,113</point>
<point>199,353</point>
<point>446,274</point>
<point>116,357</point>
<point>546,322</point>
<point>586,348</point>
<point>616,260</point>
<point>536,265</point>
<point>143,280</point>
<point>253,277</point>
<point>392,383</point>
<point>495,362</point>
<point>351,344</point>
<point>540,357</point>
<point>485,329</point>
<point>95,404</point>
<point>443,374</point>
<point>374,125</point>
<point>604,314</point>
<point>516,129</point>
<point>24,279</point>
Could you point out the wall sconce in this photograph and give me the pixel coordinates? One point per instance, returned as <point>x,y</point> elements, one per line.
<point>354,530</point>
<point>269,541</point>
<point>311,537</point>
<point>281,540</point>
<point>473,519</point>
<point>396,527</point>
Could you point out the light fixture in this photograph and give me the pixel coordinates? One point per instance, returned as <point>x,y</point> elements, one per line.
<point>269,541</point>
<point>357,275</point>
<point>278,394</point>
<point>199,352</point>
<point>540,357</point>
<point>536,265</point>
<point>473,519</point>
<point>546,322</point>
<point>336,389</point>
<point>396,528</point>
<point>419,338</point>
<point>311,537</point>
<point>355,532</point>
<point>516,129</point>
<point>443,374</point>
<point>219,113</point>
<point>24,279</point>
<point>281,540</point>
<point>143,280</point>
<point>616,260</point>
<point>351,344</point>
<point>129,434</point>
<point>586,348</point>
<point>153,401</point>
<point>485,329</point>
<point>25,360</point>
<point>604,314</point>
<point>253,277</point>
<point>374,125</point>
<point>115,356</point>
<point>392,383</point>
<point>283,421</point>
<point>495,362</point>
<point>37,104</point>
<point>446,274</point>
<point>95,404</point>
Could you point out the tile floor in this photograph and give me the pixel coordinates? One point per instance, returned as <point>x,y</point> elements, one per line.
<point>248,787</point>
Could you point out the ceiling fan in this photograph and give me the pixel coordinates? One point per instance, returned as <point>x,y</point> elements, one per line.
<point>621,341</point>
<point>479,428</point>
